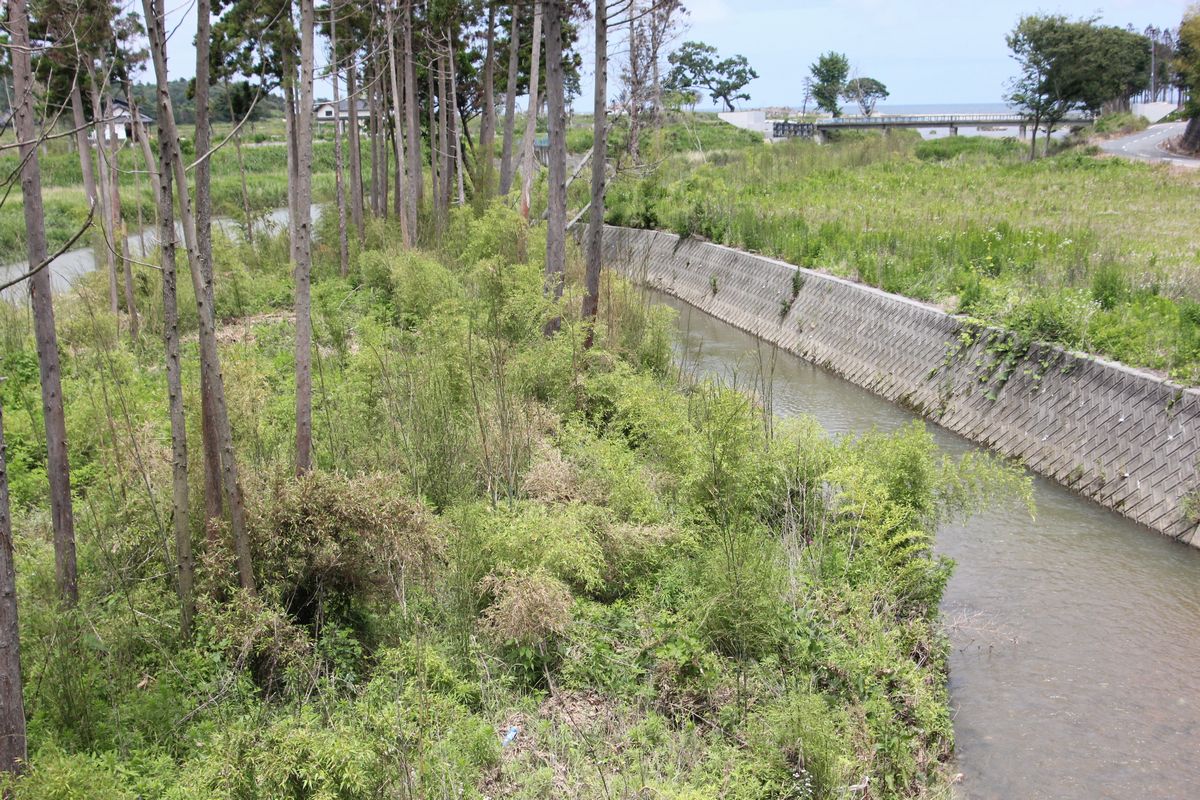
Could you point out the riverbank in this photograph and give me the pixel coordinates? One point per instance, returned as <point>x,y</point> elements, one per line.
<point>1094,254</point>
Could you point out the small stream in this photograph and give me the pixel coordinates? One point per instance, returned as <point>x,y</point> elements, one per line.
<point>1075,670</point>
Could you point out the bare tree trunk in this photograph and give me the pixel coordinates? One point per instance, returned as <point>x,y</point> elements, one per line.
<point>527,162</point>
<point>356,179</point>
<point>412,110</point>
<point>402,203</point>
<point>168,137</point>
<point>510,102</point>
<point>203,220</point>
<point>12,702</point>
<point>302,225</point>
<point>338,177</point>
<point>453,131</point>
<point>57,466</point>
<point>444,169</point>
<point>1190,143</point>
<point>434,179</point>
<point>373,122</point>
<point>81,139</point>
<point>179,456</point>
<point>595,232</point>
<point>105,192</point>
<point>237,146</point>
<point>636,90</point>
<point>556,204</point>
<point>485,161</point>
<point>120,237</point>
<point>291,124</point>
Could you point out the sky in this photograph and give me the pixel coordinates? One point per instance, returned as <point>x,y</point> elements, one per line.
<point>928,52</point>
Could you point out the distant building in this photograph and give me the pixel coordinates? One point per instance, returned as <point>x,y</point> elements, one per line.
<point>123,117</point>
<point>327,111</point>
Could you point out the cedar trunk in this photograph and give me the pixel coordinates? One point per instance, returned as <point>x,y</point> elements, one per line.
<point>401,199</point>
<point>556,203</point>
<point>527,162</point>
<point>57,467</point>
<point>81,139</point>
<point>12,703</point>
<point>169,139</point>
<point>302,225</point>
<point>338,177</point>
<point>356,176</point>
<point>485,161</point>
<point>595,232</point>
<point>510,102</point>
<point>412,109</point>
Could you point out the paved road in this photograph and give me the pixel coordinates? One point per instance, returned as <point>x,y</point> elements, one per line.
<point>1146,145</point>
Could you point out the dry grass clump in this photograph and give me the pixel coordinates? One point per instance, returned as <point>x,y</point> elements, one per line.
<point>529,608</point>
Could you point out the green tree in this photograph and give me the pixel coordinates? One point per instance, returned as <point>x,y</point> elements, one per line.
<point>1187,67</point>
<point>1072,65</point>
<point>697,65</point>
<point>866,92</point>
<point>829,81</point>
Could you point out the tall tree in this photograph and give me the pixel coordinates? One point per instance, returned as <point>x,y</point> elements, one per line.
<point>12,702</point>
<point>179,456</point>
<point>510,101</point>
<point>696,65</point>
<point>486,168</point>
<point>302,225</point>
<point>595,231</point>
<point>412,109</point>
<point>1187,67</point>
<point>168,137</point>
<point>556,203</point>
<point>528,165</point>
<point>57,466</point>
<point>338,176</point>
<point>866,92</point>
<point>405,206</point>
<point>829,74</point>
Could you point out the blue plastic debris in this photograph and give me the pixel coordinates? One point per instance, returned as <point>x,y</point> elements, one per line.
<point>508,737</point>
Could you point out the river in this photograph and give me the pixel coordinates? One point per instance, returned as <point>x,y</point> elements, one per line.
<point>1075,635</point>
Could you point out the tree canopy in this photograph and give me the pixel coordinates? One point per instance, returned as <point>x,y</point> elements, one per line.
<point>829,80</point>
<point>697,65</point>
<point>866,92</point>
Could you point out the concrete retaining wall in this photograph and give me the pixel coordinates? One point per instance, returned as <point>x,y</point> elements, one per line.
<point>1126,439</point>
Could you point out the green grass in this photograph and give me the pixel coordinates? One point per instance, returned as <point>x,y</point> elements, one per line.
<point>1097,254</point>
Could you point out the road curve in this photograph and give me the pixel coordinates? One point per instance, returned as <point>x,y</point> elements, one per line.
<point>1147,145</point>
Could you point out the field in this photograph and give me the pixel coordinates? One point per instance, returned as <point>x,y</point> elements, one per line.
<point>1097,254</point>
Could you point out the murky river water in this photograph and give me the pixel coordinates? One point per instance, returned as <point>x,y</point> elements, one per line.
<point>1075,671</point>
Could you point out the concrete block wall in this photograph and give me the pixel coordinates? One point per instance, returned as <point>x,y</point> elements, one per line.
<point>1124,438</point>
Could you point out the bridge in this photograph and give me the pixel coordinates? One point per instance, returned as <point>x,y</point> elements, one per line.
<point>951,121</point>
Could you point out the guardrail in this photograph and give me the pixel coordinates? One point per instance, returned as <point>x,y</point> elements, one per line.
<point>964,120</point>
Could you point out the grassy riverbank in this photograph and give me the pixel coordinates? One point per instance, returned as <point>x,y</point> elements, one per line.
<point>1095,253</point>
<point>638,585</point>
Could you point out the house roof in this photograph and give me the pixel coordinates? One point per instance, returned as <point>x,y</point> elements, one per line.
<point>121,111</point>
<point>343,105</point>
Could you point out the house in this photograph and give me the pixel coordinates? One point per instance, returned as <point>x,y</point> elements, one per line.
<point>122,117</point>
<point>325,110</point>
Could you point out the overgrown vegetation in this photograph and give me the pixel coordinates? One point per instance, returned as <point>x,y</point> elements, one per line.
<point>1095,254</point>
<point>520,569</point>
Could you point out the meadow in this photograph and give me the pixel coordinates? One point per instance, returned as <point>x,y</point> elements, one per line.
<point>520,569</point>
<point>1097,254</point>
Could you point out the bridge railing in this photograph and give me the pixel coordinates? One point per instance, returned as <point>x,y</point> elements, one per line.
<point>964,120</point>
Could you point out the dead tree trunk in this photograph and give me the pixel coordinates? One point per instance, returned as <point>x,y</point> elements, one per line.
<point>169,139</point>
<point>356,176</point>
<point>104,193</point>
<point>454,132</point>
<point>12,702</point>
<point>445,176</point>
<point>57,467</point>
<point>302,225</point>
<point>237,146</point>
<point>434,180</point>
<point>510,102</point>
<point>595,232</point>
<point>527,163</point>
<point>179,457</point>
<point>556,203</point>
<point>338,176</point>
